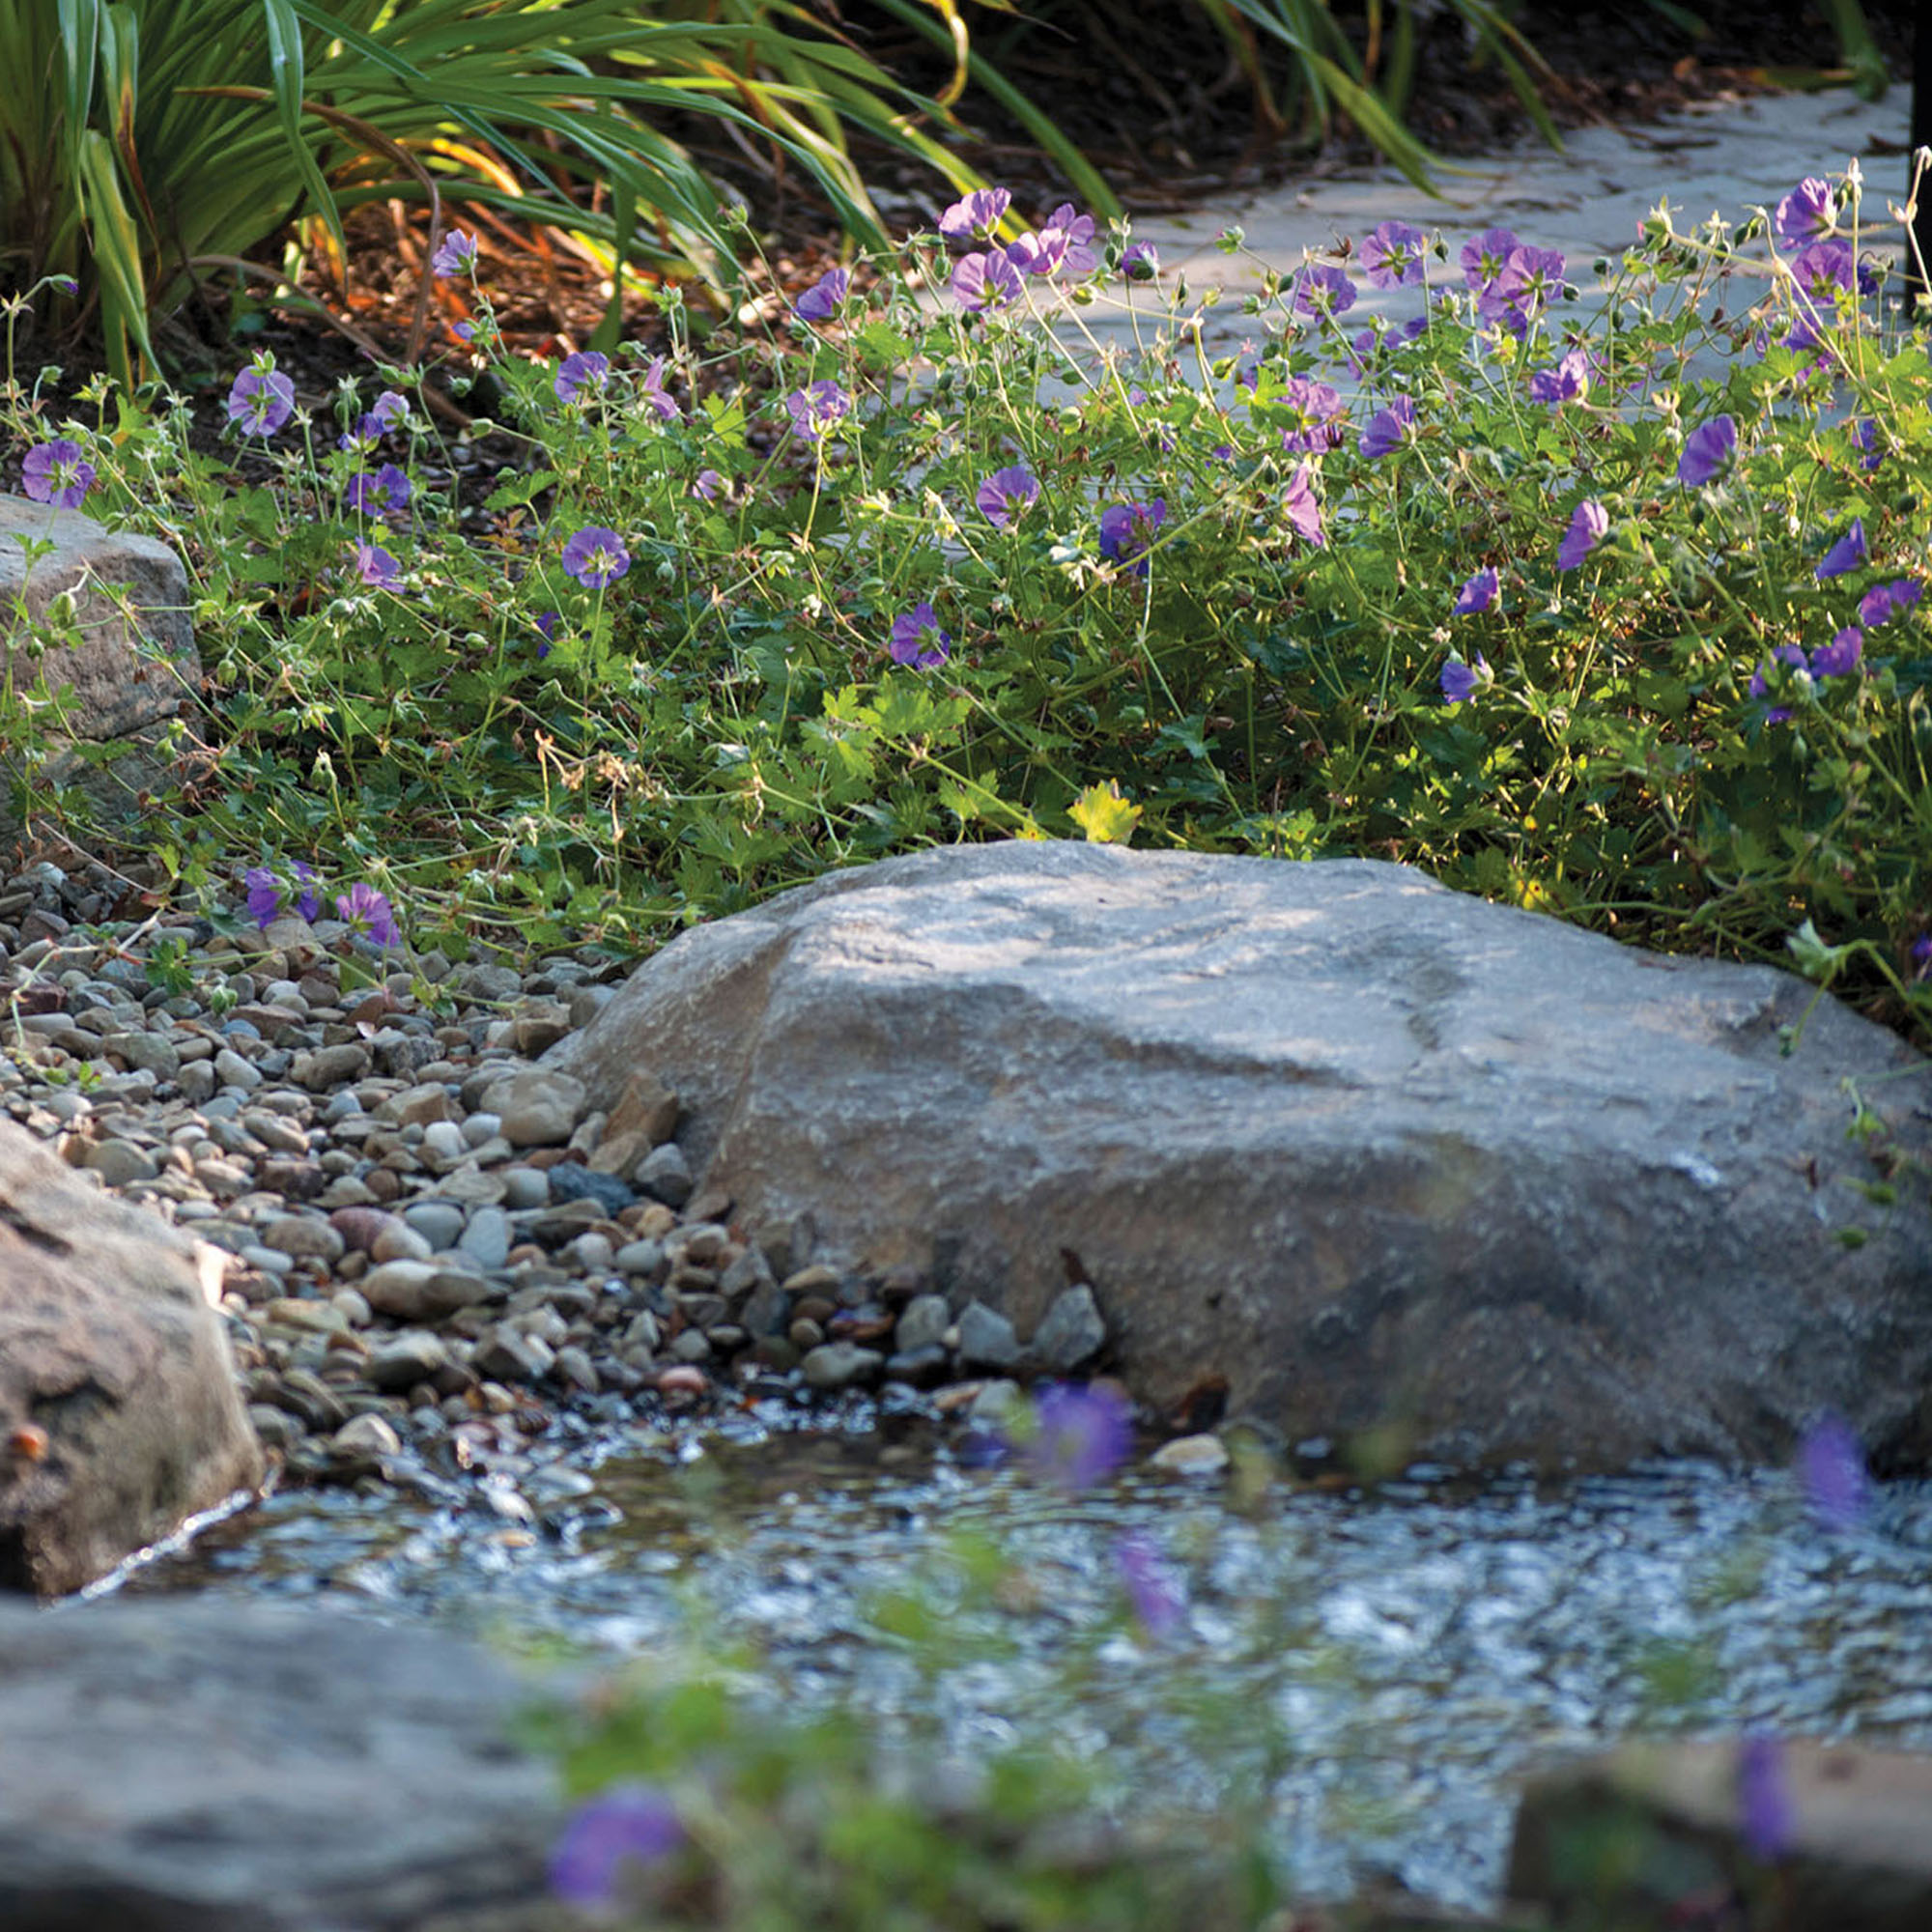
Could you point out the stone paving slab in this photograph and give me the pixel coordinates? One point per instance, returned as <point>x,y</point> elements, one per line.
<point>1723,156</point>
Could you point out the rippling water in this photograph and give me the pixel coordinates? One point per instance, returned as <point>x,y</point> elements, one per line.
<point>1403,1652</point>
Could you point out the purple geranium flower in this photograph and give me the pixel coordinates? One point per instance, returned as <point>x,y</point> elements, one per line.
<point>1486,255</point>
<point>1082,1435</point>
<point>1064,240</point>
<point>653,393</point>
<point>265,896</point>
<point>1840,656</point>
<point>627,1825</point>
<point>820,302</point>
<point>391,408</point>
<point>1140,262</point>
<point>364,910</point>
<point>457,255</point>
<point>1789,654</point>
<point>916,639</point>
<point>1883,602</point>
<point>375,567</point>
<point>1392,255</point>
<point>1807,214</point>
<point>1707,449</point>
<point>260,401</point>
<point>584,369</point>
<point>815,408</point>
<point>986,281</point>
<point>1304,510</point>
<point>1847,553</point>
<point>387,489</point>
<point>596,556</point>
<point>1322,290</point>
<point>1831,1472</point>
<point>975,217</point>
<point>308,900</point>
<point>1478,594</point>
<point>1568,382</point>
<point>1764,1813</point>
<point>708,485</point>
<point>1589,523</point>
<point>57,474</point>
<point>1389,429</point>
<point>1156,1597</point>
<point>1824,273</point>
<point>1315,407</point>
<point>1127,529</point>
<point>1461,681</point>
<point>1006,493</point>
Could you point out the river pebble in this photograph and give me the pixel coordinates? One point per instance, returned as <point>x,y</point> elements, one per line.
<point>433,1246</point>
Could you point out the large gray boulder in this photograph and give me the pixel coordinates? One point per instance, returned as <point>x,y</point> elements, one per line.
<point>1383,1156</point>
<point>119,1411</point>
<point>131,671</point>
<point>179,1765</point>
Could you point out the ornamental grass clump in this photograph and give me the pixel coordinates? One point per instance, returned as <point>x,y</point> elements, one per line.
<point>1609,608</point>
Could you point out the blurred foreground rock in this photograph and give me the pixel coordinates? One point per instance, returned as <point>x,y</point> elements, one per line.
<point>1661,1835</point>
<point>119,1411</point>
<point>180,1765</point>
<point>129,668</point>
<point>1396,1163</point>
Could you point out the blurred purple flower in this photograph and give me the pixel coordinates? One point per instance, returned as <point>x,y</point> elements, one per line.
<point>1589,523</point>
<point>1064,240</point>
<point>1304,510</point>
<point>1461,681</point>
<point>457,255</point>
<point>1765,1811</point>
<point>1485,257</point>
<point>1832,1473</point>
<point>986,281</point>
<point>1478,594</point>
<point>376,566</point>
<point>1847,553</point>
<point>814,409</point>
<point>975,219</point>
<point>1707,449</point>
<point>1156,1597</point>
<point>57,474</point>
<point>1921,954</point>
<point>1568,382</point>
<point>1808,212</point>
<point>1864,437</point>
<point>653,393</point>
<point>265,894</point>
<point>1006,493</point>
<point>584,369</point>
<point>1322,290</point>
<point>387,489</point>
<point>1140,262</point>
<point>1127,529</point>
<point>1389,429</point>
<point>821,300</point>
<point>625,1825</point>
<point>364,910</point>
<point>1082,1435</point>
<point>1759,684</point>
<point>916,639</point>
<point>596,556</point>
<point>1840,656</point>
<point>1883,602</point>
<point>1392,255</point>
<point>260,401</point>
<point>708,484</point>
<point>308,900</point>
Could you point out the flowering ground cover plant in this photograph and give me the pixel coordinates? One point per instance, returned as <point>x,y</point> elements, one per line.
<point>1611,609</point>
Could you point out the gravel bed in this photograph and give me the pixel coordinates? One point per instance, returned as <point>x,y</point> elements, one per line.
<point>435,1252</point>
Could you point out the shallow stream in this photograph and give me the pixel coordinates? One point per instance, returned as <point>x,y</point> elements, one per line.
<point>1405,1651</point>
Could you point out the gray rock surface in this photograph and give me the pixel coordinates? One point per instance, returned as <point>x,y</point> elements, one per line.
<point>175,1765</point>
<point>119,1410</point>
<point>1385,1156</point>
<point>134,668</point>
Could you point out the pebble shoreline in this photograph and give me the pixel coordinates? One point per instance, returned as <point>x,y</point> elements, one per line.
<point>433,1249</point>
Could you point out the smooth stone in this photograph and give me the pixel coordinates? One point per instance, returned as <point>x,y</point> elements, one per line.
<point>305,1235</point>
<point>1191,1456</point>
<point>235,1072</point>
<point>836,1365</point>
<point>366,1437</point>
<point>486,1237</point>
<point>664,1174</point>
<point>438,1222</point>
<point>922,1323</point>
<point>536,1107</point>
<point>987,1339</point>
<point>402,1360</point>
<point>569,1180</point>
<point>1070,1333</point>
<point>525,1188</point>
<point>119,1162</point>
